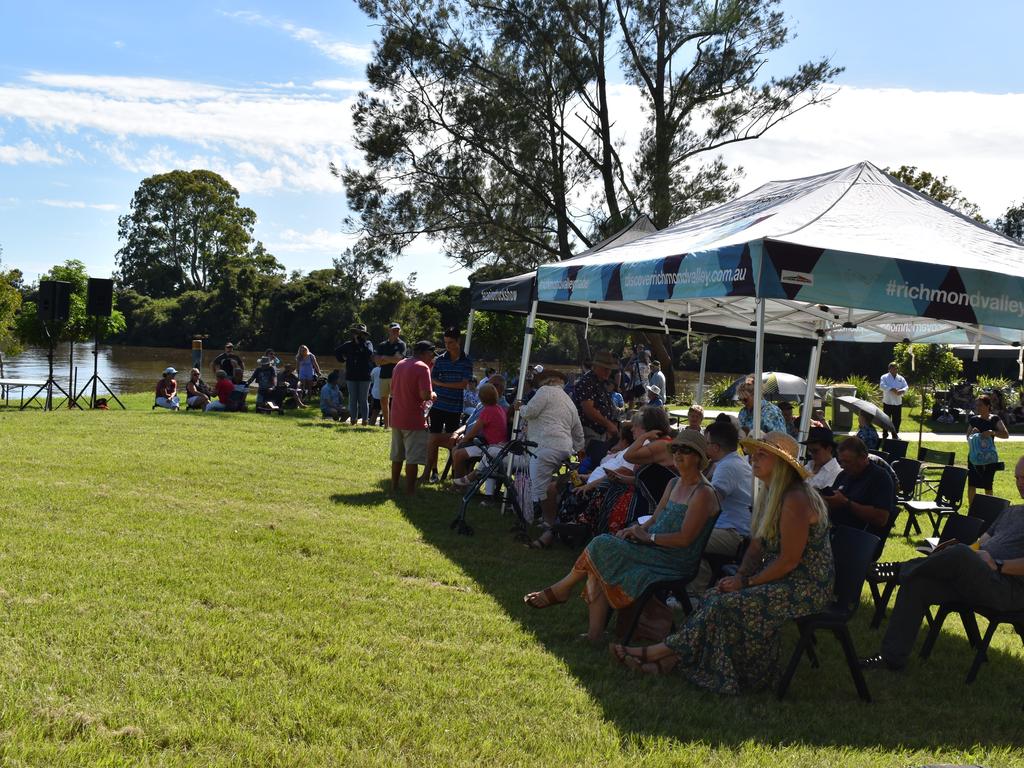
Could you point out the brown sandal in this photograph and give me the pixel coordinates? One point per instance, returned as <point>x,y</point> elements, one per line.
<point>622,655</point>
<point>549,596</point>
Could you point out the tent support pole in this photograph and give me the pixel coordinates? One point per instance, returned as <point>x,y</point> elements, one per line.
<point>524,361</point>
<point>469,334</point>
<point>758,368</point>
<point>812,380</point>
<point>703,369</point>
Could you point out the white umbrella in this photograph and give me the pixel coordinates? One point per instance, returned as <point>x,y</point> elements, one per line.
<point>872,411</point>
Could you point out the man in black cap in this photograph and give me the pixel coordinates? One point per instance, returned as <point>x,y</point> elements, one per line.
<point>357,354</point>
<point>821,458</point>
<point>390,352</point>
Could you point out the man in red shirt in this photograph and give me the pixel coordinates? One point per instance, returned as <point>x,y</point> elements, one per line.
<point>224,387</point>
<point>411,395</point>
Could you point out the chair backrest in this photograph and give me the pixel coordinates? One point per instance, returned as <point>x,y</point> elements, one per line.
<point>988,508</point>
<point>897,449</point>
<point>853,553</point>
<point>930,456</point>
<point>907,471</point>
<point>964,529</point>
<point>951,486</point>
<point>886,457</point>
<point>651,481</point>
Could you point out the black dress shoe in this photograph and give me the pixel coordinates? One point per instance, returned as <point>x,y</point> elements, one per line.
<point>878,662</point>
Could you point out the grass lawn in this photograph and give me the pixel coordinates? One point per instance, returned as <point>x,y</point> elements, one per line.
<point>237,589</point>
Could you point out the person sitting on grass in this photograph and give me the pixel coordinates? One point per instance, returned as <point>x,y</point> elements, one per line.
<point>240,392</point>
<point>197,394</point>
<point>866,431</point>
<point>224,387</point>
<point>167,391</point>
<point>289,387</point>
<point>731,642</point>
<point>990,576</point>
<point>618,568</point>
<point>492,425</point>
<point>330,398</point>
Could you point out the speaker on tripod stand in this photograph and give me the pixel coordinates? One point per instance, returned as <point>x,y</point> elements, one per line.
<point>99,303</point>
<point>53,306</point>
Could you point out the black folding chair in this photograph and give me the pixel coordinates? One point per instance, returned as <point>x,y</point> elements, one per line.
<point>907,472</point>
<point>979,642</point>
<point>883,577</point>
<point>932,464</point>
<point>676,587</point>
<point>897,449</point>
<point>988,508</point>
<point>949,495</point>
<point>852,551</point>
<point>651,481</point>
<point>886,457</point>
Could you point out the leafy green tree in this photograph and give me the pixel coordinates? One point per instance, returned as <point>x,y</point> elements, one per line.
<point>184,231</point>
<point>10,303</point>
<point>79,326</point>
<point>933,365</point>
<point>1011,223</point>
<point>383,308</point>
<point>937,188</point>
<point>420,322</point>
<point>489,122</point>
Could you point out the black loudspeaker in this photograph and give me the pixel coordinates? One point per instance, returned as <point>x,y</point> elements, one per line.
<point>54,303</point>
<point>99,299</point>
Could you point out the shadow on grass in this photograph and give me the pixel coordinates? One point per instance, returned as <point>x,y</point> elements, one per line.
<point>928,707</point>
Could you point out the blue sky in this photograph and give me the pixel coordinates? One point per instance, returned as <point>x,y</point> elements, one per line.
<point>96,96</point>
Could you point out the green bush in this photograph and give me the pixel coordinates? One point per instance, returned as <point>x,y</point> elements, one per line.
<point>867,389</point>
<point>714,393</point>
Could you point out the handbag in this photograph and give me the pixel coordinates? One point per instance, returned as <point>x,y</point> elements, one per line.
<point>654,626</point>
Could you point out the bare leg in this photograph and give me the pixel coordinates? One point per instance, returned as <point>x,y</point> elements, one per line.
<point>459,462</point>
<point>971,490</point>
<point>561,589</point>
<point>599,608</point>
<point>385,409</point>
<point>410,479</point>
<point>433,444</point>
<point>396,473</point>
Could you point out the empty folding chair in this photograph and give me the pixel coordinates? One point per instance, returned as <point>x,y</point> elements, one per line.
<point>988,508</point>
<point>852,551</point>
<point>949,495</point>
<point>897,449</point>
<point>932,464</point>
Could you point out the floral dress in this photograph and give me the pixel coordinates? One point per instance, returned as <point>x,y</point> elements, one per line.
<point>624,569</point>
<point>731,642</point>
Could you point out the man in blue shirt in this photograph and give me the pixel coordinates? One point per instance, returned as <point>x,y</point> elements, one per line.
<point>733,482</point>
<point>451,373</point>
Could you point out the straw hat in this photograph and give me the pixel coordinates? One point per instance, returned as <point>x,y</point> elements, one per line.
<point>691,438</point>
<point>780,445</point>
<point>655,390</point>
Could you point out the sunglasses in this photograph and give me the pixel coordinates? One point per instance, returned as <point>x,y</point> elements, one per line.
<point>683,449</point>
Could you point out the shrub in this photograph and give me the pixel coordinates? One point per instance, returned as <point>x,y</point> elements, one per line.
<point>714,393</point>
<point>866,388</point>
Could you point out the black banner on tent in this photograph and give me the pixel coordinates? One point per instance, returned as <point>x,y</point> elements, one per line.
<point>513,294</point>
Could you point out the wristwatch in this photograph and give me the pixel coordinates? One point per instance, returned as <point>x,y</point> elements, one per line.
<point>999,566</point>
<point>653,537</point>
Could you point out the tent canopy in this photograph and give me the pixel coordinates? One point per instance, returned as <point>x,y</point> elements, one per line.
<point>515,295</point>
<point>851,254</point>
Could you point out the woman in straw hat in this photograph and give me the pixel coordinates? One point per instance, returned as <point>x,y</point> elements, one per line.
<point>618,568</point>
<point>730,643</point>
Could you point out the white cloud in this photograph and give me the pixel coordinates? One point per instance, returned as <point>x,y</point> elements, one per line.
<point>80,205</point>
<point>337,50</point>
<point>317,241</point>
<point>341,85</point>
<point>262,139</point>
<point>154,88</point>
<point>119,44</point>
<point>27,152</point>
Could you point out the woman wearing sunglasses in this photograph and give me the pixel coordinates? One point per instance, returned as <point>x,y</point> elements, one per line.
<point>618,568</point>
<point>731,642</point>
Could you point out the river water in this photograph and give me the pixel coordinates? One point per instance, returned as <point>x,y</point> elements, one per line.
<point>137,369</point>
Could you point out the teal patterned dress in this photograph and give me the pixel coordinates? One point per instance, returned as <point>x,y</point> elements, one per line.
<point>624,569</point>
<point>731,642</point>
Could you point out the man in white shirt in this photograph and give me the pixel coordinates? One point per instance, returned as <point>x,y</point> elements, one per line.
<point>657,378</point>
<point>894,387</point>
<point>821,462</point>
